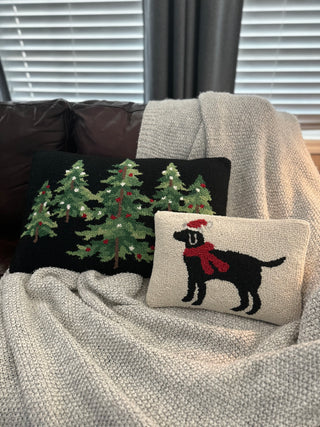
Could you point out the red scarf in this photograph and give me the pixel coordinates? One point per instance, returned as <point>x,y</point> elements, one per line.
<point>203,252</point>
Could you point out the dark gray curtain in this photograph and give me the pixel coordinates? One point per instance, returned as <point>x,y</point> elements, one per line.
<point>4,91</point>
<point>190,46</point>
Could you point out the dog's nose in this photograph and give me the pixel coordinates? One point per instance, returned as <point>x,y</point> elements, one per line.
<point>176,235</point>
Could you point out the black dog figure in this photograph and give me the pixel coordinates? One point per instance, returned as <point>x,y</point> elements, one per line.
<point>242,270</point>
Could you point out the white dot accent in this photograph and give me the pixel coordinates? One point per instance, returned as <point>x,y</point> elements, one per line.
<point>82,173</point>
<point>170,169</point>
<point>61,203</point>
<point>131,248</point>
<point>73,178</point>
<point>171,177</point>
<point>198,190</point>
<point>99,213</point>
<point>175,187</point>
<point>164,172</point>
<point>77,167</point>
<point>123,184</point>
<point>108,191</point>
<point>119,225</point>
<point>139,207</point>
<point>35,214</point>
<point>67,171</point>
<point>68,206</point>
<point>164,197</point>
<point>169,201</point>
<point>82,208</point>
<point>45,204</point>
<point>181,198</point>
<point>76,190</point>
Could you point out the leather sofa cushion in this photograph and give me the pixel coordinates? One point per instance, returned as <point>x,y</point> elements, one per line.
<point>24,129</point>
<point>7,248</point>
<point>106,128</point>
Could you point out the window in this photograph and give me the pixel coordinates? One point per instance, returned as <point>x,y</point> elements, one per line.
<point>72,49</point>
<point>279,56</point>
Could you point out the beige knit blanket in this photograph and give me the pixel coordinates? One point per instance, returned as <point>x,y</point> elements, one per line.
<point>85,350</point>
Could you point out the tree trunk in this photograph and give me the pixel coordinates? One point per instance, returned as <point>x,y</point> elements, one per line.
<point>36,236</point>
<point>116,253</point>
<point>124,172</point>
<point>116,247</point>
<point>120,203</point>
<point>197,208</point>
<point>121,193</point>
<point>41,207</point>
<point>169,207</point>
<point>67,215</point>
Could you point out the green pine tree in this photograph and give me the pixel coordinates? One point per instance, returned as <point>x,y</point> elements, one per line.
<point>73,194</point>
<point>169,192</point>
<point>198,198</point>
<point>40,223</point>
<point>121,232</point>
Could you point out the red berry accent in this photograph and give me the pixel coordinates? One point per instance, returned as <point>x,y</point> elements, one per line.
<point>84,216</point>
<point>152,247</point>
<point>130,174</point>
<point>139,256</point>
<point>190,206</point>
<point>201,206</point>
<point>40,223</point>
<point>106,241</point>
<point>113,217</point>
<point>48,186</point>
<point>120,170</point>
<point>129,193</point>
<point>43,192</point>
<point>203,185</point>
<point>118,200</point>
<point>128,215</point>
<point>88,249</point>
<point>151,200</point>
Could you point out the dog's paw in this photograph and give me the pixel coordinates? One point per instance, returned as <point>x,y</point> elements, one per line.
<point>252,311</point>
<point>197,302</point>
<point>187,299</point>
<point>240,308</point>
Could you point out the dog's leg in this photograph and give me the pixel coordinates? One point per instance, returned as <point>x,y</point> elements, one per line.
<point>244,300</point>
<point>256,302</point>
<point>191,291</point>
<point>201,293</point>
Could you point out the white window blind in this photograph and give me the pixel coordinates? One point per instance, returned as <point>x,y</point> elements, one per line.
<point>279,56</point>
<point>73,49</point>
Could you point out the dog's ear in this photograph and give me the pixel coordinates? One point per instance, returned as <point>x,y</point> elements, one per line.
<point>193,237</point>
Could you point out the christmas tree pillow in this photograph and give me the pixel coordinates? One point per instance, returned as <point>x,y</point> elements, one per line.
<point>249,267</point>
<point>95,213</point>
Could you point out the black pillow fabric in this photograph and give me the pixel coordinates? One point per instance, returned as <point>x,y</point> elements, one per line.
<point>94,213</point>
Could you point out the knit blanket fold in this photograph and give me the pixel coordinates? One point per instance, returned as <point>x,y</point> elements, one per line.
<point>84,348</point>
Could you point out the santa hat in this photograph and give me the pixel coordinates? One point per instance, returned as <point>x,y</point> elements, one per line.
<point>198,224</point>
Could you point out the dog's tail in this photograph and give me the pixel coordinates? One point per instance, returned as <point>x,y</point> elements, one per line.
<point>273,263</point>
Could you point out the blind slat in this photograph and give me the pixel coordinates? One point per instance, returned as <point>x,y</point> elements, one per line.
<point>279,56</point>
<point>77,49</point>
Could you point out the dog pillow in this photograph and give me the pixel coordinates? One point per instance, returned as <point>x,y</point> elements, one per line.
<point>249,267</point>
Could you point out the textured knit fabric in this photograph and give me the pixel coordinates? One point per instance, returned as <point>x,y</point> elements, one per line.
<point>84,349</point>
<point>244,266</point>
